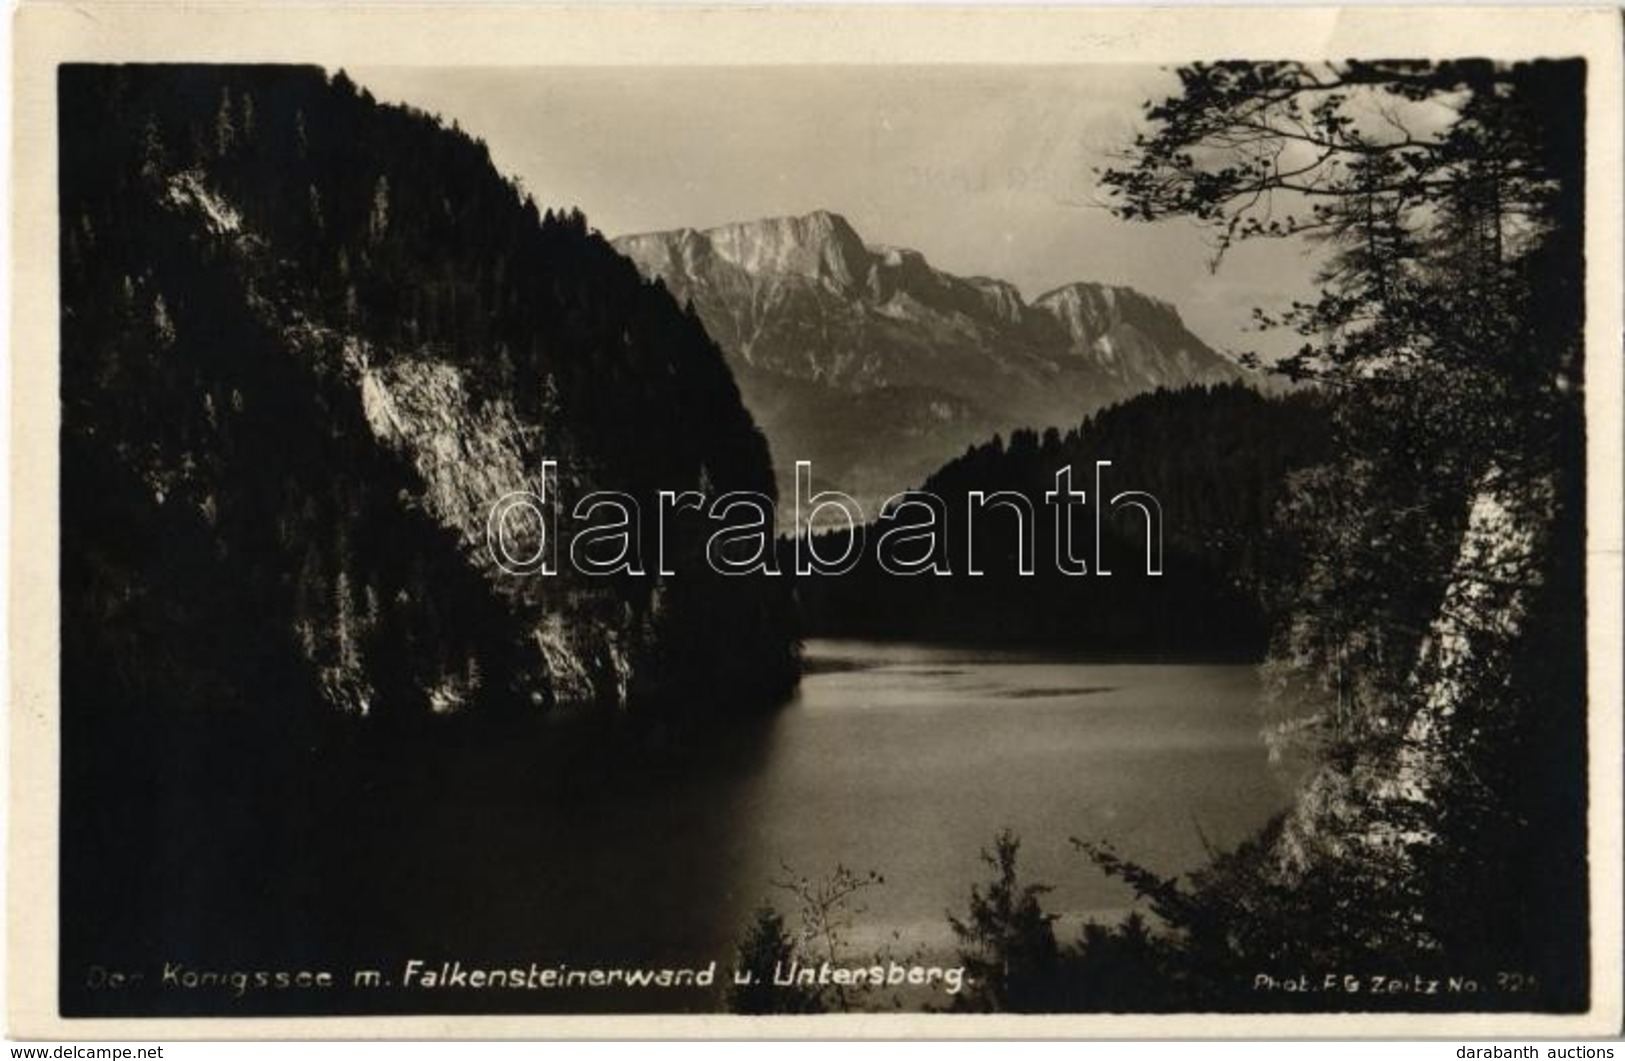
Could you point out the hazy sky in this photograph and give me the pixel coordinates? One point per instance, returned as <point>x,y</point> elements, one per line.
<point>985,170</point>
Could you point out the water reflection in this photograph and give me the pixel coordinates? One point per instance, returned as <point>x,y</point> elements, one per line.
<point>909,758</point>
<point>574,844</point>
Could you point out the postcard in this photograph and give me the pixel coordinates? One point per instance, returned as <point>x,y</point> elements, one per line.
<point>815,521</point>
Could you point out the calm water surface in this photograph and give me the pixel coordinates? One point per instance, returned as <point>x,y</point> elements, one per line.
<point>908,759</point>
<point>902,759</point>
<point>567,848</point>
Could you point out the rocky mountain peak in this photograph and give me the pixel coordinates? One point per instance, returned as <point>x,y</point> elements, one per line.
<point>1003,299</point>
<point>1096,307</point>
<point>878,366</point>
<point>820,246</point>
<point>1096,316</point>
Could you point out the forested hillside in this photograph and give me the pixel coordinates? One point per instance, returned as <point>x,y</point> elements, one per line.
<point>1218,460</point>
<point>308,342</point>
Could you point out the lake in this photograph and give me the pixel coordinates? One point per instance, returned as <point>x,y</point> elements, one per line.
<point>908,759</point>
<point>567,844</point>
<point>902,759</point>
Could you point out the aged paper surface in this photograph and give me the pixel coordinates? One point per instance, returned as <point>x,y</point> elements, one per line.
<point>321,729</point>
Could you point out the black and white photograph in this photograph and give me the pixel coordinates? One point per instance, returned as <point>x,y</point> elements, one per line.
<point>817,539</point>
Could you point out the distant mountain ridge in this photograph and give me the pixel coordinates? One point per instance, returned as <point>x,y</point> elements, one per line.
<point>878,367</point>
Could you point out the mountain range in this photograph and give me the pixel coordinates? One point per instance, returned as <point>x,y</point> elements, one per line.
<point>877,367</point>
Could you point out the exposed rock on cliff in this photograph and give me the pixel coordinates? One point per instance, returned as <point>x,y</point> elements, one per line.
<point>307,342</point>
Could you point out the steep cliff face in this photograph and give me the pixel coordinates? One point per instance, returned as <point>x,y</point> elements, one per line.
<point>1472,782</point>
<point>833,339</point>
<point>307,342</point>
<point>1387,805</point>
